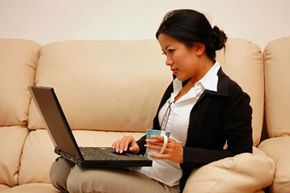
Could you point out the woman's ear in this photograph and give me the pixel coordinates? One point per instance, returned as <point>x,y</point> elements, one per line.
<point>199,48</point>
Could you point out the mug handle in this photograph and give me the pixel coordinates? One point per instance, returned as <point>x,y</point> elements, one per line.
<point>165,142</point>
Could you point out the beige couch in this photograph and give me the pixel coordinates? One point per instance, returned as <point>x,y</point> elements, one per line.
<point>111,88</point>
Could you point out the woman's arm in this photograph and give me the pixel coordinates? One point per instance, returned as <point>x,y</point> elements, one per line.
<point>236,128</point>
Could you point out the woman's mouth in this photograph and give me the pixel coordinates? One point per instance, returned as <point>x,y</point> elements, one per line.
<point>174,71</point>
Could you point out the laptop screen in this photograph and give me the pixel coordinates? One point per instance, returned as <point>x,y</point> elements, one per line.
<point>52,114</point>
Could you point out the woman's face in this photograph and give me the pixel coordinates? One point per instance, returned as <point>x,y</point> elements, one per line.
<point>183,60</point>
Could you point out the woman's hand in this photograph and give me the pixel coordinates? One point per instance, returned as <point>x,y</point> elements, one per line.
<point>126,143</point>
<point>172,152</point>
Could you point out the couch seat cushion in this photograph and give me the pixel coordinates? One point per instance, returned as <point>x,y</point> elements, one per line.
<point>32,188</point>
<point>38,152</point>
<point>2,187</point>
<point>278,150</point>
<point>11,144</point>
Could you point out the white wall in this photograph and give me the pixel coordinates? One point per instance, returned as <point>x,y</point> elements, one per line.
<point>52,20</point>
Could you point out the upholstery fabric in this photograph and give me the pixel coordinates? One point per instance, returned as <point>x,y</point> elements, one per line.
<point>18,60</point>
<point>243,62</point>
<point>277,89</point>
<point>96,77</point>
<point>11,144</point>
<point>2,187</point>
<point>243,173</point>
<point>101,138</point>
<point>38,152</point>
<point>112,88</point>
<point>278,149</point>
<point>107,86</point>
<point>32,188</point>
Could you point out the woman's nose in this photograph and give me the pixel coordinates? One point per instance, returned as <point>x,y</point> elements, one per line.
<point>169,61</point>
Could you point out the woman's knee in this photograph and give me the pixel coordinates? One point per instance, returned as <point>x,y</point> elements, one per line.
<point>59,172</point>
<point>81,180</point>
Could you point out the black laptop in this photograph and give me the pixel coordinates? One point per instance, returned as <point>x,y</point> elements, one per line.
<point>65,143</point>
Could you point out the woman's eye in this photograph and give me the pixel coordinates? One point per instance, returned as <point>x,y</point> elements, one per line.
<point>168,51</point>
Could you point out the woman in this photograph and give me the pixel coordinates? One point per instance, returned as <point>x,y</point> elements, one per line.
<point>202,108</point>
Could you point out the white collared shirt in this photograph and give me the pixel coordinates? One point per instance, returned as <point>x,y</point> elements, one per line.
<point>166,171</point>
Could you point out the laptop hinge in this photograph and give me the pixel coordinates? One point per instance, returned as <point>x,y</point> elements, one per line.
<point>66,156</point>
<point>57,151</point>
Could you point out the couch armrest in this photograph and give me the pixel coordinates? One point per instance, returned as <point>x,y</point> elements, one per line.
<point>239,174</point>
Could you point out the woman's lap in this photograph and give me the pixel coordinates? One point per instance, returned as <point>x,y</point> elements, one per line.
<point>65,176</point>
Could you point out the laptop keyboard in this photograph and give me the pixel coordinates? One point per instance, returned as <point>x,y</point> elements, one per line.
<point>95,153</point>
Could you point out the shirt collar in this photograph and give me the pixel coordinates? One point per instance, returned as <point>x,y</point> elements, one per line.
<point>209,81</point>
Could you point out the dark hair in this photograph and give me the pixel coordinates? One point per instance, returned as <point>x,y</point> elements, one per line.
<point>189,27</point>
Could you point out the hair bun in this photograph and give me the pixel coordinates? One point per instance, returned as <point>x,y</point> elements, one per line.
<point>220,38</point>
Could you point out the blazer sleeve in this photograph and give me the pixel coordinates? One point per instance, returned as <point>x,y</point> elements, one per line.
<point>236,127</point>
<point>237,119</point>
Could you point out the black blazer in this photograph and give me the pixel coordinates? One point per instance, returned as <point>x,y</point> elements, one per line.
<point>217,118</point>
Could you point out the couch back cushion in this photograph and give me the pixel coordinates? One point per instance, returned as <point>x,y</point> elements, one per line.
<point>104,85</point>
<point>117,85</point>
<point>243,62</point>
<point>18,60</point>
<point>277,89</point>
